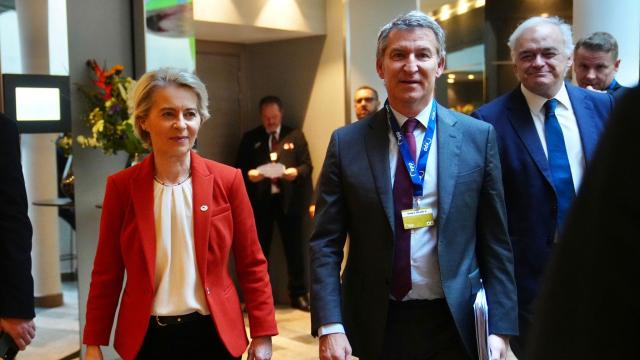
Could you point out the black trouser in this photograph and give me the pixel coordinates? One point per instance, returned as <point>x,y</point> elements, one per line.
<point>422,330</point>
<point>290,226</point>
<point>193,339</point>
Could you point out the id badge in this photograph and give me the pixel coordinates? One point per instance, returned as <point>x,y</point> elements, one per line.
<point>417,218</point>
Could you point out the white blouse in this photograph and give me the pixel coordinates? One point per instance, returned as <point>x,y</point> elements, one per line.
<point>178,287</point>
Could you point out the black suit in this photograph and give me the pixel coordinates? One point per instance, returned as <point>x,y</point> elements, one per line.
<point>289,206</point>
<point>16,285</point>
<point>588,307</point>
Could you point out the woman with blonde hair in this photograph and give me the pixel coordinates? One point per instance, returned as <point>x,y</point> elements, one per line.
<point>171,223</point>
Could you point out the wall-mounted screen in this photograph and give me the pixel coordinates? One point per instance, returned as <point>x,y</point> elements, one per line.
<point>39,103</point>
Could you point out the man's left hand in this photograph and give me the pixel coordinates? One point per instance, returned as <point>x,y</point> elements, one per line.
<point>498,347</point>
<point>290,174</point>
<point>22,331</point>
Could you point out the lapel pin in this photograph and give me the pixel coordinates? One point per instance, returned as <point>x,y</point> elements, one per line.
<point>204,208</point>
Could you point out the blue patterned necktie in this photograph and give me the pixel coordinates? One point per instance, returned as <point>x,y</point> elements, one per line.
<point>403,200</point>
<point>558,163</point>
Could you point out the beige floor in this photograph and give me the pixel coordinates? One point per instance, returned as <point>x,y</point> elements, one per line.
<point>57,334</point>
<point>294,341</point>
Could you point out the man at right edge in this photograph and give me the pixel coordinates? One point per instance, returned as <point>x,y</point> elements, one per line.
<point>547,131</point>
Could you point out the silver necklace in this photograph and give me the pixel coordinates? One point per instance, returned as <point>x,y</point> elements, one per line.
<point>182,181</point>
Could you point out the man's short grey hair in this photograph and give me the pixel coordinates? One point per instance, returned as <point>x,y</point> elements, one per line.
<point>141,98</point>
<point>565,29</point>
<point>410,20</point>
<point>599,41</point>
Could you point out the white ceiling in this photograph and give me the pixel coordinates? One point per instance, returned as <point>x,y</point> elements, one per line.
<point>243,34</point>
<point>431,5</point>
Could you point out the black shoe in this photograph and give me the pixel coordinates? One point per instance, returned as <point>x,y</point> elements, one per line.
<point>301,302</point>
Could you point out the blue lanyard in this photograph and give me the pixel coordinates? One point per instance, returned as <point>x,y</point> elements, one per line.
<point>416,172</point>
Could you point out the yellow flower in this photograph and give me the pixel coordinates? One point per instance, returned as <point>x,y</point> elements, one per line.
<point>98,127</point>
<point>95,116</point>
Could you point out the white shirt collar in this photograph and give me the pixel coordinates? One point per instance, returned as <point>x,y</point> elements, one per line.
<point>422,117</point>
<point>536,102</point>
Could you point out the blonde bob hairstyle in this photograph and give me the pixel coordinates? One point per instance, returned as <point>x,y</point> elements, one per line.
<point>142,96</point>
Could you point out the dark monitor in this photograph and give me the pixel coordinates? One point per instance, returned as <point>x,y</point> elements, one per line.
<point>38,103</point>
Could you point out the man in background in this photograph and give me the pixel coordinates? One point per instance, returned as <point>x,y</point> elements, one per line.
<point>547,131</point>
<point>596,63</point>
<point>365,101</point>
<point>16,286</point>
<point>285,199</point>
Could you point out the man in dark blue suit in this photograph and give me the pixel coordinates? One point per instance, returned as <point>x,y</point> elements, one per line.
<point>547,130</point>
<point>16,284</point>
<point>417,188</point>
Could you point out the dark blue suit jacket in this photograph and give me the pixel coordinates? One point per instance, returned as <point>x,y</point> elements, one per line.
<point>529,193</point>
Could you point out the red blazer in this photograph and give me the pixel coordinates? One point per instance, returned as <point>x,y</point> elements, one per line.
<point>222,220</point>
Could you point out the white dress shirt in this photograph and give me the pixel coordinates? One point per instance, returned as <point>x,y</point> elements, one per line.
<point>425,269</point>
<point>568,124</point>
<point>177,282</point>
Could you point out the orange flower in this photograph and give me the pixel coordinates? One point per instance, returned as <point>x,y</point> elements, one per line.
<point>115,70</point>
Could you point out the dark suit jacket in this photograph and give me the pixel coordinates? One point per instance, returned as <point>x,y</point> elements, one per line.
<point>355,197</point>
<point>128,243</point>
<point>588,307</point>
<point>618,91</point>
<point>16,286</point>
<point>528,188</point>
<point>254,151</point>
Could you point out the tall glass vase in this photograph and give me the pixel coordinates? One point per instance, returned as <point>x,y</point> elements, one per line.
<point>68,179</point>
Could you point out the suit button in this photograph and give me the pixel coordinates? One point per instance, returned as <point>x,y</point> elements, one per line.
<point>208,291</point>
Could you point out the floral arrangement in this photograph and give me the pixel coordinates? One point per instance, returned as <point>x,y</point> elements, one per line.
<point>111,125</point>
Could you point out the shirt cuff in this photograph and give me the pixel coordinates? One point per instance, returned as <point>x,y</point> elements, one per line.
<point>332,328</point>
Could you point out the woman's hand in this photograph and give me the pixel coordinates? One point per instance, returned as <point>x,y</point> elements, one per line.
<point>260,348</point>
<point>93,352</point>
